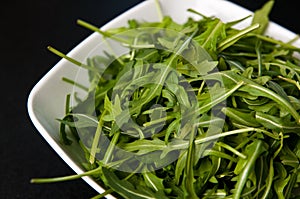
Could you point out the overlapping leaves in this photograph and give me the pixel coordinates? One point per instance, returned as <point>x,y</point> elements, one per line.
<point>194,110</point>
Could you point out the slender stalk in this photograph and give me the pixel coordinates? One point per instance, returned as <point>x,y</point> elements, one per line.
<point>225,134</point>
<point>274,41</point>
<point>96,138</point>
<point>296,83</point>
<point>232,39</point>
<point>75,83</point>
<point>208,106</point>
<point>189,171</point>
<point>96,29</point>
<point>102,195</point>
<point>269,180</point>
<point>110,148</point>
<point>231,149</point>
<point>67,106</point>
<point>160,120</point>
<point>65,178</point>
<point>259,57</point>
<point>197,13</point>
<point>62,55</point>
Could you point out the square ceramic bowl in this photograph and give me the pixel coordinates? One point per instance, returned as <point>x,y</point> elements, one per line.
<point>47,99</point>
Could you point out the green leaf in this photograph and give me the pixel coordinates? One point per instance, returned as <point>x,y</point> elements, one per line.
<point>153,181</point>
<point>278,89</point>
<point>288,157</point>
<point>255,89</point>
<point>254,150</point>
<point>81,120</point>
<point>279,186</point>
<point>261,17</point>
<point>144,146</point>
<point>229,41</point>
<point>188,181</point>
<point>205,66</point>
<point>276,123</point>
<point>217,98</point>
<point>215,31</point>
<point>180,165</point>
<point>156,160</point>
<point>126,189</point>
<point>243,118</point>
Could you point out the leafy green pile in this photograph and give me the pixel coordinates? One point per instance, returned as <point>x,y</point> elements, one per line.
<point>193,110</point>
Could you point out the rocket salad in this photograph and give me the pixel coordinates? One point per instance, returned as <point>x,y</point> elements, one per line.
<point>193,110</point>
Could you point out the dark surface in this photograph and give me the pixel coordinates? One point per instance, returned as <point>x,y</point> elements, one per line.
<point>27,28</point>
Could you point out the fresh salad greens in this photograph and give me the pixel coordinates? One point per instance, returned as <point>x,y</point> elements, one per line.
<point>194,110</point>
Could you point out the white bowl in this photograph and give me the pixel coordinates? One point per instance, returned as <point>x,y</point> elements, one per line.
<point>46,101</point>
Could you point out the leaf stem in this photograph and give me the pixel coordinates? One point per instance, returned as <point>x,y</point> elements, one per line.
<point>65,178</point>
<point>75,83</point>
<point>231,149</point>
<point>96,29</point>
<point>102,195</point>
<point>62,55</point>
<point>234,38</point>
<point>296,83</point>
<point>197,13</point>
<point>110,148</point>
<point>269,180</point>
<point>208,106</point>
<point>259,57</point>
<point>189,171</point>
<point>96,138</point>
<point>228,133</point>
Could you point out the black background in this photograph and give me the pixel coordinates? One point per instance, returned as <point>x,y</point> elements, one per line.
<point>27,28</point>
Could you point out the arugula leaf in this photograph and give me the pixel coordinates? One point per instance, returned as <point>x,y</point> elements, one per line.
<point>261,17</point>
<point>127,190</point>
<point>254,150</point>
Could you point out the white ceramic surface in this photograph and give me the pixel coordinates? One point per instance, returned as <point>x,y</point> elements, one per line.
<point>47,99</point>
